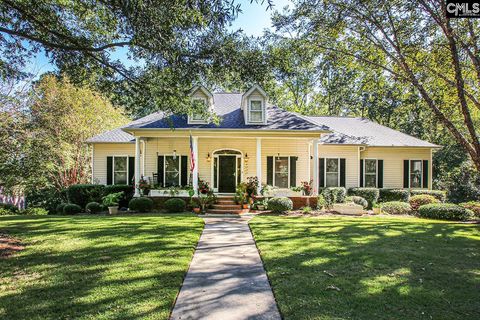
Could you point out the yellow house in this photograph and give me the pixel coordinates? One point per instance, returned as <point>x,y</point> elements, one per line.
<point>255,138</point>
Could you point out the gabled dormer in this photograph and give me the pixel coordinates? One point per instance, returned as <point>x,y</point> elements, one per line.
<point>254,106</point>
<point>200,94</point>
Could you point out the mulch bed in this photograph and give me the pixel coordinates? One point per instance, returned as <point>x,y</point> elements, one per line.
<point>9,245</point>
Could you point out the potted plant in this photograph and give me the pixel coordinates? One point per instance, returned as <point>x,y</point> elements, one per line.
<point>261,204</point>
<point>144,186</point>
<point>111,201</point>
<point>377,209</point>
<point>195,206</point>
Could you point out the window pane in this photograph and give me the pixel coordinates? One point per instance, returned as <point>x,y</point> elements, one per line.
<point>197,116</point>
<point>120,178</point>
<point>332,165</point>
<point>332,180</point>
<point>120,164</point>
<point>256,105</point>
<point>370,166</point>
<point>172,171</point>
<point>256,116</point>
<point>370,180</point>
<point>215,164</point>
<point>415,174</point>
<point>415,166</point>
<point>281,172</point>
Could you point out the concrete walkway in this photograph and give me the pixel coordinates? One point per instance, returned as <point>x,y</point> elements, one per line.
<point>226,279</point>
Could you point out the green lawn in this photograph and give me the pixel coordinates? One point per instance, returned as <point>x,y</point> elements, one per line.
<point>96,267</point>
<point>385,268</point>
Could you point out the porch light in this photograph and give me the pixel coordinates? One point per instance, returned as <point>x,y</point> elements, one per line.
<point>278,156</point>
<point>208,157</point>
<point>246,157</point>
<point>174,154</point>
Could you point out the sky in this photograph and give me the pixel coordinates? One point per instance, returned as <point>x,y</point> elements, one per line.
<point>253,20</point>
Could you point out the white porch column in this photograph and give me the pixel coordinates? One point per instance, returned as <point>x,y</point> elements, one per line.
<point>137,167</point>
<point>195,169</point>
<point>259,164</point>
<point>315,167</point>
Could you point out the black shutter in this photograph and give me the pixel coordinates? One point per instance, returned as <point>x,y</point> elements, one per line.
<point>361,173</point>
<point>342,172</point>
<point>425,173</point>
<point>160,170</point>
<point>293,171</point>
<point>321,171</point>
<point>406,173</point>
<point>184,170</point>
<point>109,170</point>
<point>131,170</point>
<point>379,173</point>
<point>270,171</point>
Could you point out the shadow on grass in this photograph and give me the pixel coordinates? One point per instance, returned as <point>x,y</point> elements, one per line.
<point>385,268</point>
<point>122,267</point>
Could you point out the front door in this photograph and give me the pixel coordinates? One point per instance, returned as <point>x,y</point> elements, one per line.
<point>226,173</point>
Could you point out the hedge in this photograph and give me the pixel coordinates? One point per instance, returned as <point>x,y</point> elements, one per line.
<point>472,205</point>
<point>81,194</point>
<point>369,194</point>
<point>141,204</point>
<point>280,204</point>
<point>438,194</point>
<point>47,198</point>
<point>396,207</point>
<point>60,207</point>
<point>445,211</point>
<point>72,208</point>
<point>388,195</point>
<point>420,200</point>
<point>9,207</point>
<point>175,205</point>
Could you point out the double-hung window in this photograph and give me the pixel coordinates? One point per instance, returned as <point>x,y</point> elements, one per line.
<point>370,173</point>
<point>415,173</point>
<point>120,170</point>
<point>281,172</point>
<point>255,111</point>
<point>196,116</point>
<point>172,171</point>
<point>332,172</point>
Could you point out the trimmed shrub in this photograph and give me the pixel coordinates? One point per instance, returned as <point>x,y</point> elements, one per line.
<point>6,212</point>
<point>360,201</point>
<point>141,204</point>
<point>127,190</point>
<point>72,208</point>
<point>33,211</point>
<point>60,208</point>
<point>420,200</point>
<point>9,207</point>
<point>472,205</point>
<point>369,194</point>
<point>47,198</point>
<point>321,203</point>
<point>388,195</point>
<point>280,204</point>
<point>81,194</point>
<point>395,207</point>
<point>340,194</point>
<point>93,207</point>
<point>445,211</point>
<point>329,197</point>
<point>438,194</point>
<point>175,205</point>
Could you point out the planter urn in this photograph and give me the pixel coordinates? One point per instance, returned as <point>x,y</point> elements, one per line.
<point>113,210</point>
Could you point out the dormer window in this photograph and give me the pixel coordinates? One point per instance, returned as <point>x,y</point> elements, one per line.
<point>255,111</point>
<point>198,117</point>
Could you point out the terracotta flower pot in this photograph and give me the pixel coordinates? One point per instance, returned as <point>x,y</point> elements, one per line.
<point>245,206</point>
<point>196,210</point>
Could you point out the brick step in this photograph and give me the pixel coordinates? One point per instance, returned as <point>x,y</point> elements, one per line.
<point>227,206</point>
<point>219,211</point>
<point>226,202</point>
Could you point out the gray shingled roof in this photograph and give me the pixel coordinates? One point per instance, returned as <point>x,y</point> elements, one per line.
<point>360,131</point>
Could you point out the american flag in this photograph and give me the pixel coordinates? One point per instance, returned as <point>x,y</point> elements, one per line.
<point>192,159</point>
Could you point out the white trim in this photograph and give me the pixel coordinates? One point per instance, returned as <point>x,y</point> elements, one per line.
<point>93,165</point>
<point>365,172</point>
<point>213,156</point>
<point>316,163</point>
<point>339,171</point>
<point>259,164</point>
<point>113,167</point>
<point>137,167</point>
<point>410,174</point>
<point>249,110</point>
<point>253,88</point>
<point>179,157</point>
<point>289,170</point>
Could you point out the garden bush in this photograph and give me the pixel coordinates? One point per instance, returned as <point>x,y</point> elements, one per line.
<point>340,194</point>
<point>420,200</point>
<point>280,204</point>
<point>93,207</point>
<point>127,190</point>
<point>388,195</point>
<point>329,198</point>
<point>175,205</point>
<point>81,194</point>
<point>395,207</point>
<point>438,194</point>
<point>472,205</point>
<point>60,207</point>
<point>141,204</point>
<point>47,198</point>
<point>72,208</point>
<point>6,212</point>
<point>359,200</point>
<point>369,194</point>
<point>445,211</point>
<point>9,207</point>
<point>34,211</point>
<point>321,202</point>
